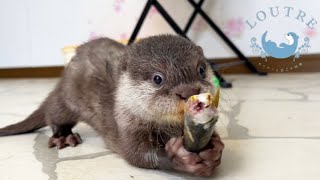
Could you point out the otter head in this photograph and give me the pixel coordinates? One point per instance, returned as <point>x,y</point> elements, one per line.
<point>291,37</point>
<point>159,74</point>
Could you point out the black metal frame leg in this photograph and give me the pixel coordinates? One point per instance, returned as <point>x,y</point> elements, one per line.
<point>192,17</point>
<point>140,22</point>
<point>223,83</point>
<point>168,18</point>
<point>224,37</point>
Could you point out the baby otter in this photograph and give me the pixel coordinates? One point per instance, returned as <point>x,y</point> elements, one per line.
<point>133,96</point>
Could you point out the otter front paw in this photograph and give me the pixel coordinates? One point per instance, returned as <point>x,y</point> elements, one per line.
<point>201,164</point>
<point>212,156</point>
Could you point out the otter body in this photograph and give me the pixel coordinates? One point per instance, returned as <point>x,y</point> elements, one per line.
<point>133,97</point>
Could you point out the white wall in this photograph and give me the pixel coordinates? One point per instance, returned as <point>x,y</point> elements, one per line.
<point>33,32</point>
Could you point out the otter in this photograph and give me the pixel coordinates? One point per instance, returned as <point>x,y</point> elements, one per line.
<point>133,96</point>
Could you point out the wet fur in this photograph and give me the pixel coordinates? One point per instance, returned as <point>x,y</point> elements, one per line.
<point>109,86</point>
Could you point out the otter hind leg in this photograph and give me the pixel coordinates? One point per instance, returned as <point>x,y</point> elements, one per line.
<point>62,119</point>
<point>63,137</point>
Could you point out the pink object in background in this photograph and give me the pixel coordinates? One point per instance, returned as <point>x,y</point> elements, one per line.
<point>152,11</point>
<point>199,24</point>
<point>117,5</point>
<point>123,36</point>
<point>234,27</point>
<point>310,32</point>
<point>94,35</point>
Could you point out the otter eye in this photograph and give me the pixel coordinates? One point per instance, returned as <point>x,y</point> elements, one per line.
<point>202,71</point>
<point>158,79</point>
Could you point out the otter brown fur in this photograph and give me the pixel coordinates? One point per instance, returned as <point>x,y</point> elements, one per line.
<point>133,97</point>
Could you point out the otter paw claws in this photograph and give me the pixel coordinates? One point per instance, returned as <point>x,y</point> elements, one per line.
<point>64,141</point>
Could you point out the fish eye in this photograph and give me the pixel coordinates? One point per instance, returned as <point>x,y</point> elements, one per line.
<point>158,79</point>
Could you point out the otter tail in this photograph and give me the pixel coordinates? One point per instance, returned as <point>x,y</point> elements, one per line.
<point>33,122</point>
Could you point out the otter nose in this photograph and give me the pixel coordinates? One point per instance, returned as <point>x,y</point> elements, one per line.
<point>185,93</point>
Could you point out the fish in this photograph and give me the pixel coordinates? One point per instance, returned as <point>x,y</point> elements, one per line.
<point>201,116</point>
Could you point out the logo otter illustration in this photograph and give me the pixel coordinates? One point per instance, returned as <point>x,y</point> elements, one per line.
<point>283,50</point>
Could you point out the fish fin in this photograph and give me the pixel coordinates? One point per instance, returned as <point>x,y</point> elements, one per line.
<point>216,98</point>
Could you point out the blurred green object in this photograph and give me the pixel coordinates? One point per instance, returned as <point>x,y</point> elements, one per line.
<point>216,81</point>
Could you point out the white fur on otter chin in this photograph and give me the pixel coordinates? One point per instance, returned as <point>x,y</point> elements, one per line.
<point>138,100</point>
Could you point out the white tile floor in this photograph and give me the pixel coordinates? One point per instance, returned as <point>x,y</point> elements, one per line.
<point>270,125</point>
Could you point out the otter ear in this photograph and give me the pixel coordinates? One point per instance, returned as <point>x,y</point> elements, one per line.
<point>200,50</point>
